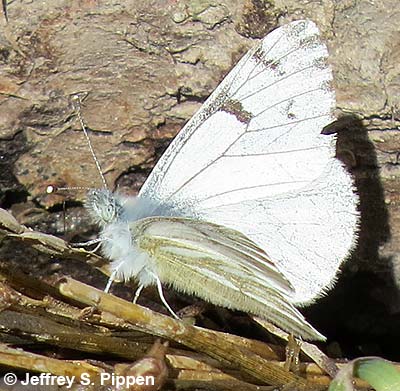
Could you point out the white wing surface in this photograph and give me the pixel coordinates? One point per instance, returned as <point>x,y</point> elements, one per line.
<point>253,159</point>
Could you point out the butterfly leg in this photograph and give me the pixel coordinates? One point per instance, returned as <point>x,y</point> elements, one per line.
<point>137,293</point>
<point>111,278</point>
<point>95,249</point>
<point>89,243</point>
<point>161,294</point>
<point>89,311</point>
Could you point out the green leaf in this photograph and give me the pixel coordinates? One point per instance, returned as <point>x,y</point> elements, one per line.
<point>379,373</point>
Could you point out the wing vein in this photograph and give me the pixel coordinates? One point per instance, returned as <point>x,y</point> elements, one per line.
<point>248,188</point>
<point>241,99</point>
<point>275,62</point>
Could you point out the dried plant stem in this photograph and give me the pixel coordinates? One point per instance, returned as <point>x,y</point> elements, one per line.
<point>17,358</point>
<point>190,336</point>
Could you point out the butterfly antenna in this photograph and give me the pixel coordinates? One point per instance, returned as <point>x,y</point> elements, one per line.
<point>77,102</point>
<point>50,189</point>
<point>64,216</point>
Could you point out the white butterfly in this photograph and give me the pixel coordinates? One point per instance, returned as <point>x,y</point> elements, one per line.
<point>248,208</point>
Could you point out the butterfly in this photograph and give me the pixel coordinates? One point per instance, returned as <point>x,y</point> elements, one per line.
<point>248,208</point>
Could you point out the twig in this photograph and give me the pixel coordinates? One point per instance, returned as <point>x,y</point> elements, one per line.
<point>196,338</point>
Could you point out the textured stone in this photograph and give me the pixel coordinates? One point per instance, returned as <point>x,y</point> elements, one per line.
<point>146,66</point>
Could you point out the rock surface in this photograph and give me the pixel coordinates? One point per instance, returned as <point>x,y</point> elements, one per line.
<point>144,67</point>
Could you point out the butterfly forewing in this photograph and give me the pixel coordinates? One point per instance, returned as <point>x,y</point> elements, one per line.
<point>253,159</point>
<point>272,104</point>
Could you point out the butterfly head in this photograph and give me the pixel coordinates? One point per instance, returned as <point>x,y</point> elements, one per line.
<point>103,206</point>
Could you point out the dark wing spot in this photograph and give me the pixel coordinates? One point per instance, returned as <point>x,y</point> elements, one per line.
<point>235,107</point>
<point>259,56</point>
<point>296,30</point>
<point>310,42</point>
<point>327,85</point>
<point>289,110</point>
<point>320,63</point>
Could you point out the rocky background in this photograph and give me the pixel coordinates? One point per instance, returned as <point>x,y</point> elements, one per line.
<point>144,67</point>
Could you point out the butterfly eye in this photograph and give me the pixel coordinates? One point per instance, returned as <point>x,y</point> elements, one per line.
<point>110,210</point>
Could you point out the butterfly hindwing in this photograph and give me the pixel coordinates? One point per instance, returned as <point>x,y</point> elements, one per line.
<point>219,265</point>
